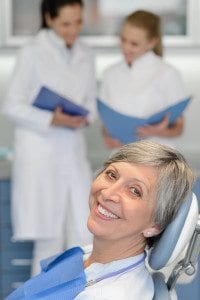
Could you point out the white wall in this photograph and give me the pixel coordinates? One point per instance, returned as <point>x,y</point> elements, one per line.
<point>7,61</point>
<point>187,61</point>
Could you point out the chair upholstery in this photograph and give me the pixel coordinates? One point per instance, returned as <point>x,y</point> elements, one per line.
<point>176,236</point>
<point>161,291</point>
<point>171,244</point>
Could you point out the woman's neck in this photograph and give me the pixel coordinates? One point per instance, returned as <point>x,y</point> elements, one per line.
<point>131,64</point>
<point>107,251</point>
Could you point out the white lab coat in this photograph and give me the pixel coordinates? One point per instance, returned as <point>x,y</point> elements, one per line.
<point>143,89</point>
<point>50,164</point>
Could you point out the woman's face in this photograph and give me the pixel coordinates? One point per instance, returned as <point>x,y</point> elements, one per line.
<point>135,42</point>
<point>68,23</point>
<point>122,202</point>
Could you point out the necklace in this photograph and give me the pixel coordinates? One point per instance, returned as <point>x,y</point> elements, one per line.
<point>114,273</point>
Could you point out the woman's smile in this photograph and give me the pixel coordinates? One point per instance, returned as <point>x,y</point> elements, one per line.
<point>104,213</point>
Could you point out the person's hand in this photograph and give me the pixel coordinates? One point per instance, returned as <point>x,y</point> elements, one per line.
<point>158,129</point>
<point>62,119</point>
<point>109,141</point>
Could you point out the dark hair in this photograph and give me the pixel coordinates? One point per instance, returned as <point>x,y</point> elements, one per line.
<point>52,7</point>
<point>149,22</point>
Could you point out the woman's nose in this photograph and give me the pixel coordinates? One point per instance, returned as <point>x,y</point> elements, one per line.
<point>75,30</point>
<point>111,193</point>
<point>126,47</point>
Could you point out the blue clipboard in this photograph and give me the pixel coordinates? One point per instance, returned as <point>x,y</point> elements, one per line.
<point>123,127</point>
<point>49,100</point>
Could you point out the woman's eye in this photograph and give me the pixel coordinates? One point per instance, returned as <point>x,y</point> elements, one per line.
<point>110,174</point>
<point>134,45</point>
<point>135,191</point>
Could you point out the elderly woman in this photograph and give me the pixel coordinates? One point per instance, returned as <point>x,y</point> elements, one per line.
<point>132,199</point>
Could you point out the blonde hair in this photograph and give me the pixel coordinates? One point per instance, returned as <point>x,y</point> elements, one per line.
<point>151,23</point>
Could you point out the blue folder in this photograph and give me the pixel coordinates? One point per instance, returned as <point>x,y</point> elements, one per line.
<point>123,127</point>
<point>49,100</point>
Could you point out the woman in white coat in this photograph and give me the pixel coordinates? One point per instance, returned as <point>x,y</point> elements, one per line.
<point>51,173</point>
<point>143,83</point>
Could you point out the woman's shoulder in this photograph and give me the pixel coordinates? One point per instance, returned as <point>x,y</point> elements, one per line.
<point>32,44</point>
<point>26,52</point>
<point>166,67</point>
<point>170,72</point>
<point>42,41</point>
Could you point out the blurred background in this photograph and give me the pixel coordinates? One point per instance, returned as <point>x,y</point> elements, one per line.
<point>19,20</point>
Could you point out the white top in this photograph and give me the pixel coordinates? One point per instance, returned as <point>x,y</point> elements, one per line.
<point>135,284</point>
<point>143,89</point>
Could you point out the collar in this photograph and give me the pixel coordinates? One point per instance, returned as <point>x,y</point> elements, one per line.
<point>99,269</point>
<point>138,260</point>
<point>55,38</point>
<point>60,42</point>
<point>144,60</point>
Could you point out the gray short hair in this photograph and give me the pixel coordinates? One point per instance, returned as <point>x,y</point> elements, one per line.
<point>175,176</point>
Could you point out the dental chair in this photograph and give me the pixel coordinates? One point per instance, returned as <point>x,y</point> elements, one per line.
<point>177,250</point>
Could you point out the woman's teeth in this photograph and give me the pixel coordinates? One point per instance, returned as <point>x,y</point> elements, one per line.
<point>106,213</point>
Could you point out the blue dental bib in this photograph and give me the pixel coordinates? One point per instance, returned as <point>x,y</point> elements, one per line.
<point>62,278</point>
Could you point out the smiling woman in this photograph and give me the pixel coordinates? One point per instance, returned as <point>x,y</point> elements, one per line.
<point>132,199</point>
<point>122,205</point>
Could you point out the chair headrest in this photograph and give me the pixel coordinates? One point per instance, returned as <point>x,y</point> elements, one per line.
<point>176,235</point>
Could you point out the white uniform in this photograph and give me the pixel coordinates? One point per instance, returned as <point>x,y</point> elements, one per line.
<point>143,89</point>
<point>135,284</point>
<point>51,174</point>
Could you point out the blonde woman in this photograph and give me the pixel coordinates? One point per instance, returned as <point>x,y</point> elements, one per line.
<point>142,83</point>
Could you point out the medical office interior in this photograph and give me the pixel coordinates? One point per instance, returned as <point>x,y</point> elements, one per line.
<point>19,20</point>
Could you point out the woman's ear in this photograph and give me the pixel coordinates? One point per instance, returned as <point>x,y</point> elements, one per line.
<point>48,20</point>
<point>152,44</point>
<point>151,231</point>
